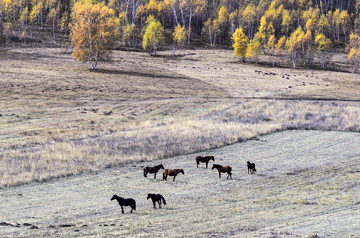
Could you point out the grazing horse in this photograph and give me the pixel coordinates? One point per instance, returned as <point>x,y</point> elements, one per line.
<point>125,202</point>
<point>171,172</point>
<point>251,167</point>
<point>156,198</point>
<point>223,169</point>
<point>153,170</point>
<point>203,159</point>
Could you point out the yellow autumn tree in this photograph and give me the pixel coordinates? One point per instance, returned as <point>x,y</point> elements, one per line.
<point>323,25</point>
<point>241,42</point>
<point>129,35</point>
<point>179,36</point>
<point>253,50</point>
<point>223,20</point>
<point>323,45</point>
<point>153,37</point>
<point>286,22</point>
<point>293,45</point>
<point>354,52</point>
<point>92,32</point>
<point>270,48</point>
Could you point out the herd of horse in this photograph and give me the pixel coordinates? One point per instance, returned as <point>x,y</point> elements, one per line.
<point>158,198</point>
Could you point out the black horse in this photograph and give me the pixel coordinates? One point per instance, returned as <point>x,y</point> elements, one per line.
<point>156,198</point>
<point>223,169</point>
<point>251,167</point>
<point>203,159</point>
<point>153,170</point>
<point>125,202</point>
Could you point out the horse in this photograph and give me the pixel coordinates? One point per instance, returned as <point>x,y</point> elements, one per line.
<point>223,169</point>
<point>125,202</point>
<point>153,170</point>
<point>251,167</point>
<point>156,198</point>
<point>171,172</point>
<point>203,159</point>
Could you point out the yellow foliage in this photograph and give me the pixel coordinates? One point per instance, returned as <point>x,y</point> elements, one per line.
<point>129,32</point>
<point>153,37</point>
<point>241,42</point>
<point>249,14</point>
<point>354,41</point>
<point>295,40</point>
<point>322,43</point>
<point>152,7</point>
<point>323,24</point>
<point>179,35</point>
<point>286,21</point>
<point>270,46</point>
<point>253,50</point>
<point>223,16</point>
<point>149,19</point>
<point>354,54</point>
<point>64,21</point>
<point>92,32</point>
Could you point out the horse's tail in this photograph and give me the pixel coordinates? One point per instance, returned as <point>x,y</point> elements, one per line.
<point>134,205</point>
<point>163,199</point>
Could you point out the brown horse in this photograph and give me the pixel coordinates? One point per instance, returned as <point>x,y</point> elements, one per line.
<point>171,172</point>
<point>153,170</point>
<point>203,159</point>
<point>223,169</point>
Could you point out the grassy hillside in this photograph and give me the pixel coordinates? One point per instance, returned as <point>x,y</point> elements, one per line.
<point>306,186</point>
<point>58,118</point>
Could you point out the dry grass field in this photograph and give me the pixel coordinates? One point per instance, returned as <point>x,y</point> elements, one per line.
<point>58,118</point>
<point>306,185</point>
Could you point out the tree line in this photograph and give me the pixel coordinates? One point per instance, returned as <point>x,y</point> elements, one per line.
<point>298,29</point>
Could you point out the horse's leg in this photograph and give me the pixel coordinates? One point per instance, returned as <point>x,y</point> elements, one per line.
<point>197,164</point>
<point>219,174</point>
<point>122,209</point>
<point>174,178</point>
<point>154,203</point>
<point>207,164</point>
<point>155,175</point>
<point>131,209</point>
<point>159,203</point>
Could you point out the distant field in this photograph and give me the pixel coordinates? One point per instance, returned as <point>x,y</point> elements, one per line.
<point>307,185</point>
<point>57,118</point>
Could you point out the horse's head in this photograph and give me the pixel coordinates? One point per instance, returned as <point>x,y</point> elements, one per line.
<point>182,171</point>
<point>248,163</point>
<point>212,158</point>
<point>148,196</point>
<point>213,167</point>
<point>113,197</point>
<point>161,166</point>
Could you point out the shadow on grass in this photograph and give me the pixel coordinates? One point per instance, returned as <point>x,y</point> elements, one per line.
<point>139,74</point>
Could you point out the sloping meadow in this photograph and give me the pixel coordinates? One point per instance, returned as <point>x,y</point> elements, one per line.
<point>58,118</point>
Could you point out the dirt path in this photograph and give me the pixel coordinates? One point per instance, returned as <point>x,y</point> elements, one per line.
<point>307,183</point>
